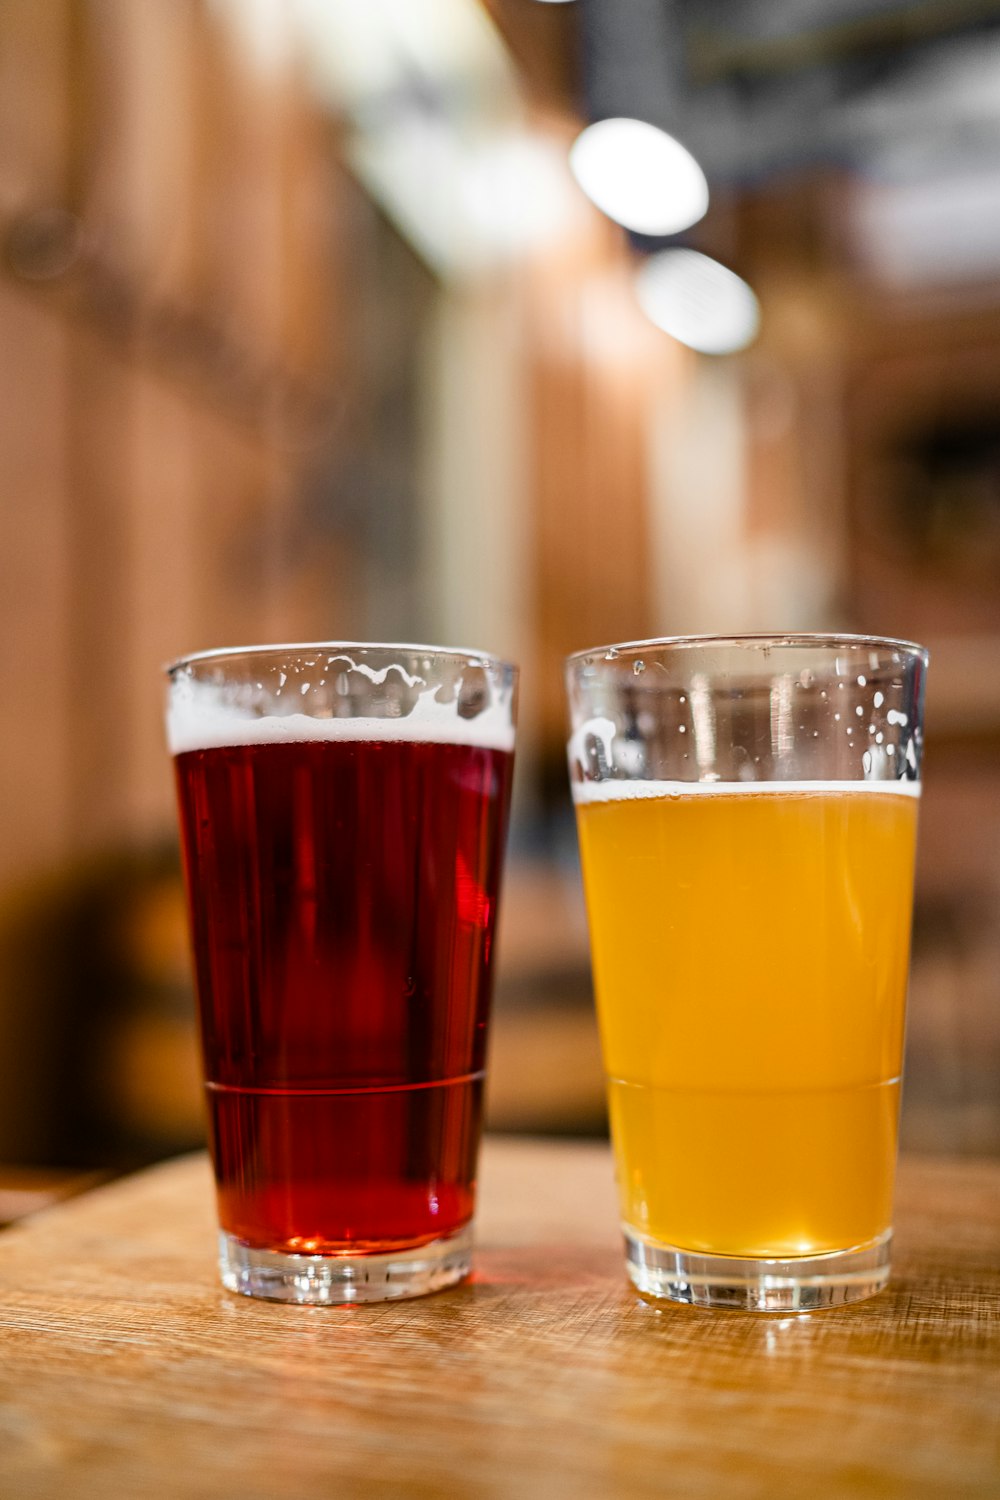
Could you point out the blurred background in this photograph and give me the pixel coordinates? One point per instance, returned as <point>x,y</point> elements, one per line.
<point>322,319</point>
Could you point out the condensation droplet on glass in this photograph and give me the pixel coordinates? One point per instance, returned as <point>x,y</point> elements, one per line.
<point>862,680</point>
<point>879,699</point>
<point>836,718</point>
<point>611,654</point>
<point>890,749</point>
<point>682,729</point>
<point>879,738</point>
<point>638,668</point>
<point>860,711</point>
<point>682,699</point>
<point>282,679</point>
<point>866,761</point>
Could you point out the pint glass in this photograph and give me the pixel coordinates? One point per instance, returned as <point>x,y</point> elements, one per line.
<point>343,811</point>
<point>747,815</point>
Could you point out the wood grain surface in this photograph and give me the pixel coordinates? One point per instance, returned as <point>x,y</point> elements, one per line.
<point>125,1370</point>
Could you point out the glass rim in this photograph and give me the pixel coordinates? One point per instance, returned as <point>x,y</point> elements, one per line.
<point>452,653</point>
<point>809,640</point>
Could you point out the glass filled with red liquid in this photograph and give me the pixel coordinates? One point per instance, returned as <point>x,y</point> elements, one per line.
<point>343,811</point>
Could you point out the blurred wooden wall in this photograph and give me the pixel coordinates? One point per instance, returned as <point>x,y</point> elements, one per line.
<point>234,405</point>
<point>179,331</point>
<point>174,315</point>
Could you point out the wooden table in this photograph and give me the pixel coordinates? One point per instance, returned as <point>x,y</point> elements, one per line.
<point>125,1370</point>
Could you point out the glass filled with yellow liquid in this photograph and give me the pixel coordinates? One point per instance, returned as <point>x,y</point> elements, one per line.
<point>747,815</point>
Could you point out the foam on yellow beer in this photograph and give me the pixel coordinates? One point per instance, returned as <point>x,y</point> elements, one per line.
<point>750,950</point>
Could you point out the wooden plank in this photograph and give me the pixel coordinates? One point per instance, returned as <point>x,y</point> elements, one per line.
<point>127,1370</point>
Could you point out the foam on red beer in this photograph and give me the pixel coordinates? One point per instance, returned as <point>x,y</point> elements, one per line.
<point>197,720</point>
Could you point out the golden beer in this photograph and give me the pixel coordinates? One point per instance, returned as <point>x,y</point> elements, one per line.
<point>750,948</point>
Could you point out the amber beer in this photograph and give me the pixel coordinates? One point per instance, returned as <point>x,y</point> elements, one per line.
<point>750,948</point>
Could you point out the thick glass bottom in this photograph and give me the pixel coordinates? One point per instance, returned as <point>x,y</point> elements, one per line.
<point>800,1284</point>
<point>332,1280</point>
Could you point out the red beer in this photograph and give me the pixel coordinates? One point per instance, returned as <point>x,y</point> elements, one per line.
<point>343,809</point>
<point>343,898</point>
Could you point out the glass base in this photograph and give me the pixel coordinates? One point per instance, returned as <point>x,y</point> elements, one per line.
<point>332,1280</point>
<point>801,1284</point>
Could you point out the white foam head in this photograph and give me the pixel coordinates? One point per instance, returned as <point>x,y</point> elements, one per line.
<point>202,716</point>
<point>633,791</point>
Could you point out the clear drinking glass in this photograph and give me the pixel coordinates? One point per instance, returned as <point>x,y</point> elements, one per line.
<point>343,810</point>
<point>747,813</point>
